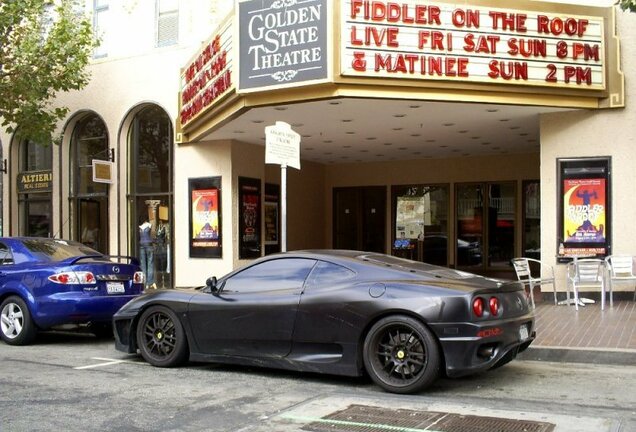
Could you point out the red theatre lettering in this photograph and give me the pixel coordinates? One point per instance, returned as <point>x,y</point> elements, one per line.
<point>374,36</point>
<point>424,65</point>
<point>527,47</point>
<point>395,12</point>
<point>508,70</point>
<point>558,26</point>
<point>205,98</point>
<point>509,21</point>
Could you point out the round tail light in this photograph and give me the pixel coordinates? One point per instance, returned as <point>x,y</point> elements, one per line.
<point>478,307</point>
<point>494,306</point>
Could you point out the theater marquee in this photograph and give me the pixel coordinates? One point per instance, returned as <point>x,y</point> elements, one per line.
<point>467,43</point>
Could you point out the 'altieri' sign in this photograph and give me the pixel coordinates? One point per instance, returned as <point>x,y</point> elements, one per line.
<point>35,181</point>
<point>410,39</point>
<point>282,42</point>
<point>208,77</point>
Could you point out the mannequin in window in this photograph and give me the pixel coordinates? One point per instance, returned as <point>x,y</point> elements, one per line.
<point>162,253</point>
<point>147,252</point>
<point>90,235</point>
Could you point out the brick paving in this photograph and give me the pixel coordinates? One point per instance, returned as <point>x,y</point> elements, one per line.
<point>588,328</point>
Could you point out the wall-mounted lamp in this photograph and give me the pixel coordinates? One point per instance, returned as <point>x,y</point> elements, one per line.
<point>4,166</point>
<point>111,155</point>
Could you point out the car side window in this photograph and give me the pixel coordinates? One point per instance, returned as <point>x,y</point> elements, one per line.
<point>326,274</point>
<point>6,258</point>
<point>278,274</point>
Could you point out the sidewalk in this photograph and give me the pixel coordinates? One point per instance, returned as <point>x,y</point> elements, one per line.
<point>588,335</point>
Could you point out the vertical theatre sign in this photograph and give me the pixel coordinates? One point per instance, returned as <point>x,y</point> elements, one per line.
<point>461,43</point>
<point>282,42</point>
<point>208,76</point>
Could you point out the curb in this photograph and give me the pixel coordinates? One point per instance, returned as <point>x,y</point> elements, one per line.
<point>578,355</point>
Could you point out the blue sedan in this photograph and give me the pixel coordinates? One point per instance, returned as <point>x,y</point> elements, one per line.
<point>46,283</point>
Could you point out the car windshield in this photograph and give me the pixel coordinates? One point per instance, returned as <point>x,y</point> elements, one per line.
<point>57,250</point>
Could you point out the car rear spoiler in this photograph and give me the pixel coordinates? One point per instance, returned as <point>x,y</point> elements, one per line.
<point>119,258</point>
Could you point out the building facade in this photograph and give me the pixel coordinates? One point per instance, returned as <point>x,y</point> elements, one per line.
<point>461,135</point>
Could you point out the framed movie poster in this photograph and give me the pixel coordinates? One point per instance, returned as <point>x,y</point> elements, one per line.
<point>584,215</point>
<point>205,217</point>
<point>271,209</point>
<point>249,218</point>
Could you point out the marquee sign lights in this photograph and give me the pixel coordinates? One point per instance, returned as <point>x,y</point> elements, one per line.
<point>208,76</point>
<point>465,43</point>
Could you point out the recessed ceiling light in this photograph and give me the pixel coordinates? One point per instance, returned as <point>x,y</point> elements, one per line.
<point>397,129</point>
<point>504,120</point>
<point>388,144</point>
<point>346,120</point>
<point>280,108</point>
<point>463,131</point>
<point>297,125</point>
<point>399,115</point>
<point>523,134</point>
<point>416,135</point>
<point>449,124</point>
<point>515,127</point>
<point>492,110</point>
<point>417,153</point>
<point>335,103</point>
<point>346,146</point>
<point>350,133</point>
<point>486,143</point>
<point>379,155</point>
<point>239,131</point>
<point>475,137</point>
<point>364,151</point>
<point>327,141</point>
<point>402,148</point>
<point>414,106</point>
<point>306,136</point>
<point>430,140</point>
<point>371,138</point>
<point>496,148</point>
<point>443,146</point>
<point>455,150</point>
<point>257,121</point>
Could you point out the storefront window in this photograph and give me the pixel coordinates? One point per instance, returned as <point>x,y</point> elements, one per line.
<point>421,223</point>
<point>485,224</point>
<point>88,199</point>
<point>150,140</point>
<point>532,219</point>
<point>34,197</point>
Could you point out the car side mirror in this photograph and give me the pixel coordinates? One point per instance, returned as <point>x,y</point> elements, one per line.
<point>211,284</point>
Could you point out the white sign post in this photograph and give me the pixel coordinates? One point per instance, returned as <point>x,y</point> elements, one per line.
<point>282,147</point>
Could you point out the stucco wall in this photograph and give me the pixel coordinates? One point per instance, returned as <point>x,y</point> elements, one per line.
<point>595,133</point>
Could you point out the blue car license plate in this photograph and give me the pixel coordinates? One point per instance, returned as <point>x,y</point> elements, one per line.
<point>115,288</point>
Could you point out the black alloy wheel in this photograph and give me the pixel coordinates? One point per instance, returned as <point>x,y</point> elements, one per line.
<point>401,355</point>
<point>161,338</point>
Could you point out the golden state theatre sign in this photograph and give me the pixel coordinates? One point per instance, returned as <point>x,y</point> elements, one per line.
<point>442,41</point>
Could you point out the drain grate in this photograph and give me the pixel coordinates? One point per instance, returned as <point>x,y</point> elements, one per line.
<point>362,418</point>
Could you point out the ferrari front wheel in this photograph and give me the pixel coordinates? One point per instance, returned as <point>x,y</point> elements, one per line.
<point>16,325</point>
<point>401,355</point>
<point>161,338</point>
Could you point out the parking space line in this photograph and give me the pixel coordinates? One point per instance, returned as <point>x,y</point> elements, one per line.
<point>108,362</point>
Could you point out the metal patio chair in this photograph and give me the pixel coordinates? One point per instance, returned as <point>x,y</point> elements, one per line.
<point>523,269</point>
<point>620,268</point>
<point>588,272</point>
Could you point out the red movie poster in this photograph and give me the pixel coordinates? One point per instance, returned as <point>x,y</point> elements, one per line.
<point>585,209</point>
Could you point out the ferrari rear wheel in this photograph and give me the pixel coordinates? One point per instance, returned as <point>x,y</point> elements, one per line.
<point>161,338</point>
<point>16,325</point>
<point>401,355</point>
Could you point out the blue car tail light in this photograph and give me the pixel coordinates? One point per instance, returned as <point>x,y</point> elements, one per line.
<point>73,278</point>
<point>139,277</point>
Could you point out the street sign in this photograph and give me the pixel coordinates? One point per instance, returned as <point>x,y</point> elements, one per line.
<point>282,145</point>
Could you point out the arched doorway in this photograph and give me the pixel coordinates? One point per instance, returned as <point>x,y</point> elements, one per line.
<point>88,199</point>
<point>34,186</point>
<point>151,193</point>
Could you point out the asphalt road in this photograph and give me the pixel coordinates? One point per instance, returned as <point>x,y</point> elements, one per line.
<point>69,382</point>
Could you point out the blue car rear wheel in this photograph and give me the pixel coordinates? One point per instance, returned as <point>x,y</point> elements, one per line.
<point>16,325</point>
<point>160,337</point>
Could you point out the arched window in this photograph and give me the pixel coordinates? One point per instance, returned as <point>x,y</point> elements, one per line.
<point>88,199</point>
<point>151,192</point>
<point>34,189</point>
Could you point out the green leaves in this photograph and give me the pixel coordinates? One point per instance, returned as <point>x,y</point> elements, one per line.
<point>628,5</point>
<point>45,46</point>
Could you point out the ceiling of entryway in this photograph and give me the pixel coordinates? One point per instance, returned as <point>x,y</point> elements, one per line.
<point>350,130</point>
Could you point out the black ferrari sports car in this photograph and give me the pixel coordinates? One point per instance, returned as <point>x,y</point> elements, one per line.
<point>336,312</point>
